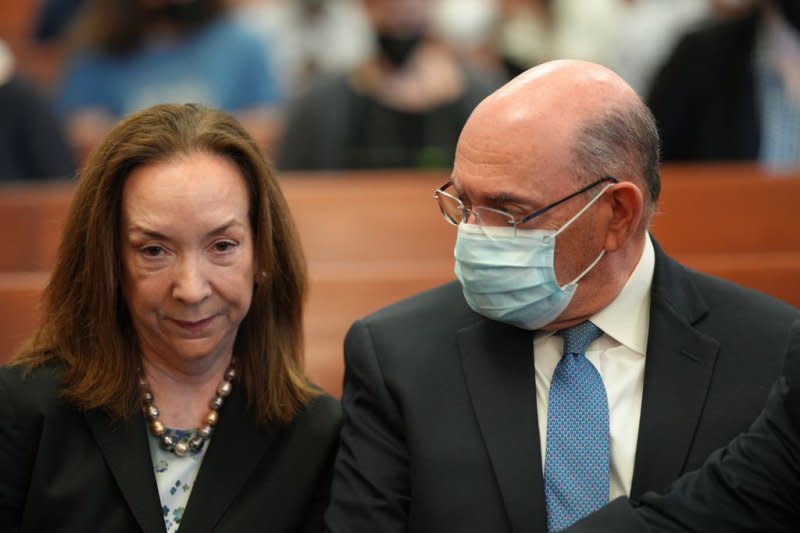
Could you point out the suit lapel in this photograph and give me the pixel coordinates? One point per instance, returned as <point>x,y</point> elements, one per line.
<point>235,449</point>
<point>498,368</point>
<point>125,447</point>
<point>678,370</point>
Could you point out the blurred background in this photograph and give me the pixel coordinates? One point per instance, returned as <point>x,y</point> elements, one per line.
<point>345,84</point>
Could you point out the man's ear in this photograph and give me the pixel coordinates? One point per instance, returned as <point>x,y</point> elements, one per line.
<point>627,209</point>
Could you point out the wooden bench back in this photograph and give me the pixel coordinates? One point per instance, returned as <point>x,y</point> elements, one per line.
<point>373,238</point>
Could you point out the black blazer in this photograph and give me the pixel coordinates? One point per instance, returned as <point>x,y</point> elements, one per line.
<point>62,470</point>
<point>441,432</point>
<point>751,485</point>
<point>704,96</point>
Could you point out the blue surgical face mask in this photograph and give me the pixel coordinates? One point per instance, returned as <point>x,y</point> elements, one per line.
<point>513,280</point>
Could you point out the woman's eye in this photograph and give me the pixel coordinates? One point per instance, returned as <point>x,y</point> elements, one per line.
<point>224,246</point>
<point>152,250</point>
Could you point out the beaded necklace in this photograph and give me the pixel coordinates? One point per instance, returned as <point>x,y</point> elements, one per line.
<point>188,442</point>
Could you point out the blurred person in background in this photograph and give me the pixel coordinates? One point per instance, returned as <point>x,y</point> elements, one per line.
<point>53,17</point>
<point>307,39</point>
<point>468,27</point>
<point>632,37</point>
<point>130,54</point>
<point>731,90</point>
<point>32,141</point>
<point>403,107</point>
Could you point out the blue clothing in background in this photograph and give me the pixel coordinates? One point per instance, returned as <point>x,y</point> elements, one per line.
<point>219,65</point>
<point>33,145</point>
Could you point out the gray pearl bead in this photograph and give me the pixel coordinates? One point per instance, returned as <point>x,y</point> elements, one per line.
<point>167,442</point>
<point>151,411</point>
<point>205,431</point>
<point>224,388</point>
<point>181,448</point>
<point>196,443</point>
<point>217,402</point>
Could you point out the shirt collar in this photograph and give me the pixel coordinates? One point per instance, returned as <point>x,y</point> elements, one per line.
<point>626,319</point>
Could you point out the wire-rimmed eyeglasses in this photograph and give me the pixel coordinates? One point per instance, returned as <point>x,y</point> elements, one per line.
<point>455,212</point>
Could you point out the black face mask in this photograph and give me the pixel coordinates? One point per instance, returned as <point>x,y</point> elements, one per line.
<point>397,50</point>
<point>189,13</point>
<point>790,9</point>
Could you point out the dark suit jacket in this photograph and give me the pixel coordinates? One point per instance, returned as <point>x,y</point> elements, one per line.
<point>66,471</point>
<point>751,485</point>
<point>704,97</point>
<point>440,428</point>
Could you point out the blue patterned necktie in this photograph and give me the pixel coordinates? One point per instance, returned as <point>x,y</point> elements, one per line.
<point>576,469</point>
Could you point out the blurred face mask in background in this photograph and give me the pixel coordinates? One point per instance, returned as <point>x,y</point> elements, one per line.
<point>397,49</point>
<point>188,12</point>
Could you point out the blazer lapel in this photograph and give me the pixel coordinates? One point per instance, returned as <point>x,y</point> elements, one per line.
<point>235,449</point>
<point>124,444</point>
<point>498,368</point>
<point>678,370</point>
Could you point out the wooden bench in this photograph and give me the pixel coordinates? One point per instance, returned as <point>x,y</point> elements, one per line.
<point>374,238</point>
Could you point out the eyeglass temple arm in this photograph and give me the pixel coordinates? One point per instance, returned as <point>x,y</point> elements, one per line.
<point>569,197</point>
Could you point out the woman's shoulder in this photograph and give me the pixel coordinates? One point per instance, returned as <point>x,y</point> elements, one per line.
<point>30,389</point>
<point>321,416</point>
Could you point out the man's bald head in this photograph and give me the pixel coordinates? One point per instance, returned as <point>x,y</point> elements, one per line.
<point>581,108</point>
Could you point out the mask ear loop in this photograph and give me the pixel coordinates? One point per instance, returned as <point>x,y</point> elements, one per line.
<point>582,211</point>
<point>570,221</point>
<point>580,276</point>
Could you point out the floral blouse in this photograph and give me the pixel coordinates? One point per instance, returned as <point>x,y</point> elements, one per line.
<point>175,478</point>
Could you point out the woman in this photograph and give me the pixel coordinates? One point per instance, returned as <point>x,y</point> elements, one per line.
<point>165,386</point>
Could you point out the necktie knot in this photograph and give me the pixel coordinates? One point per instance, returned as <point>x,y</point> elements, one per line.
<point>578,338</point>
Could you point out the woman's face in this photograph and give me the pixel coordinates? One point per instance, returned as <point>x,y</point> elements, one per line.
<point>187,258</point>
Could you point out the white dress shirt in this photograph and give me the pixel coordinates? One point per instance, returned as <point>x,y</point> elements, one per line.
<point>618,356</point>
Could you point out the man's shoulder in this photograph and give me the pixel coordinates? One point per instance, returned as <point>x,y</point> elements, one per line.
<point>444,303</point>
<point>685,288</point>
<point>746,303</point>
<point>419,328</point>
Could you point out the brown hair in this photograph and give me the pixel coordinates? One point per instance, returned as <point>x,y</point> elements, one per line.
<point>86,324</point>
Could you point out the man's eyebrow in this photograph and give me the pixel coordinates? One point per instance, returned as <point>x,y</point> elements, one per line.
<point>494,199</point>
<point>502,198</point>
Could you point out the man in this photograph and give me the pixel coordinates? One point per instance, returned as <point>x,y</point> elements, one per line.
<point>460,411</point>
<point>751,485</point>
